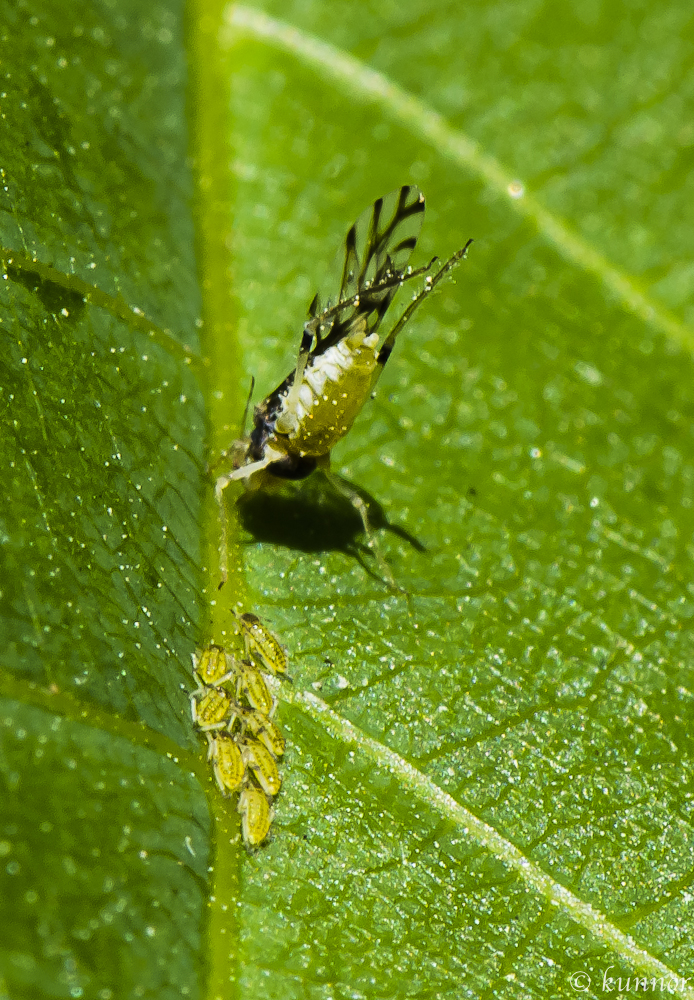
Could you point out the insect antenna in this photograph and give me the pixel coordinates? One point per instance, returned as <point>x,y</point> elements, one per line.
<point>349,493</point>
<point>429,285</point>
<point>391,280</point>
<point>233,449</point>
<point>247,407</point>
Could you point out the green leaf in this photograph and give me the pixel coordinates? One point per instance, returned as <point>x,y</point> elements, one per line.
<point>105,832</point>
<point>488,785</point>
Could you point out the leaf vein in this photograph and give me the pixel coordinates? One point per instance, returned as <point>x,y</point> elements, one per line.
<point>424,788</point>
<point>431,126</point>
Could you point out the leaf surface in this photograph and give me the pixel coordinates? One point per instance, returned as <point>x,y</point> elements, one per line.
<point>488,784</point>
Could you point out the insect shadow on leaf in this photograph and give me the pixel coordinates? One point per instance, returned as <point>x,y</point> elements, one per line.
<point>312,517</point>
<point>340,360</point>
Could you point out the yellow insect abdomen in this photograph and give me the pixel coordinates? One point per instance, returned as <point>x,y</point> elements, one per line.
<point>335,409</point>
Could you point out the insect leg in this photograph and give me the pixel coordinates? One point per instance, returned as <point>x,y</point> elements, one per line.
<point>351,494</point>
<point>370,292</point>
<point>429,284</point>
<point>222,482</point>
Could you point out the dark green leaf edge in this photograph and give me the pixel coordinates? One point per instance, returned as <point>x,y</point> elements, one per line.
<point>222,928</point>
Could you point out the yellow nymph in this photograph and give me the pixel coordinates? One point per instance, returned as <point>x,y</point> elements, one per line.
<point>212,666</point>
<point>253,686</point>
<point>209,708</point>
<point>255,816</point>
<point>259,726</point>
<point>261,643</point>
<point>260,761</point>
<point>228,763</point>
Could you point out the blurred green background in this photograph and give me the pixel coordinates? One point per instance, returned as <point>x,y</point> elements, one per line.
<point>529,459</point>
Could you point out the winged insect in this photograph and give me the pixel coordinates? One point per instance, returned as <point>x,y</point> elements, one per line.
<point>340,360</point>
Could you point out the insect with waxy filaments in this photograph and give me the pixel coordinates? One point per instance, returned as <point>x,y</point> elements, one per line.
<point>340,360</point>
